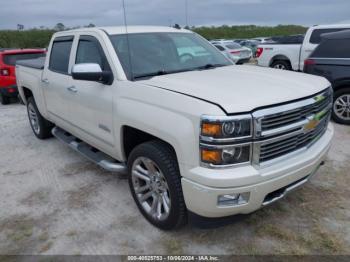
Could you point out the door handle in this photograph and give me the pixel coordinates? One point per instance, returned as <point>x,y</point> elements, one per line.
<point>45,81</point>
<point>72,89</point>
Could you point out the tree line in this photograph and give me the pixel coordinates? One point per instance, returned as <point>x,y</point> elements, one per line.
<point>41,37</point>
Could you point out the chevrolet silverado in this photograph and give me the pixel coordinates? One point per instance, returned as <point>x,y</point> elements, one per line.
<point>196,135</point>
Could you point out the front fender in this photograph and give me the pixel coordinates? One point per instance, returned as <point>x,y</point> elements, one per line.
<point>169,116</point>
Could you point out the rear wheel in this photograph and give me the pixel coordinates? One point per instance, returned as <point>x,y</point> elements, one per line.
<point>341,106</point>
<point>155,184</point>
<point>4,100</point>
<point>40,126</point>
<point>282,65</point>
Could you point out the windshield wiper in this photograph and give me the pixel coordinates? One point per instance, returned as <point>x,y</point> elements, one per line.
<point>210,66</point>
<point>164,72</point>
<point>157,73</point>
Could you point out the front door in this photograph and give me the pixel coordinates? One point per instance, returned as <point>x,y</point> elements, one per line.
<point>91,103</point>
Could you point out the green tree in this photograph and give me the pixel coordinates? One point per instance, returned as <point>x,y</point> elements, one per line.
<point>59,27</point>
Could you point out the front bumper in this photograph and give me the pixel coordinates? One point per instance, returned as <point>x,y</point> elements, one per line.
<point>9,91</point>
<point>285,176</point>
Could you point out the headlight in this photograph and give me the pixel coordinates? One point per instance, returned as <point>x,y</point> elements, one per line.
<point>226,128</point>
<point>226,140</point>
<point>228,155</point>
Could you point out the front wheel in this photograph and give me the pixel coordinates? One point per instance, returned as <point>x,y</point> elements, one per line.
<point>40,126</point>
<point>155,184</point>
<point>282,65</point>
<point>341,106</point>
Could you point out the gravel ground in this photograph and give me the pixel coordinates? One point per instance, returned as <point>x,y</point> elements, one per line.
<point>53,201</point>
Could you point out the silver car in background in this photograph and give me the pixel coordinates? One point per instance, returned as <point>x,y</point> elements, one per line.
<point>234,51</point>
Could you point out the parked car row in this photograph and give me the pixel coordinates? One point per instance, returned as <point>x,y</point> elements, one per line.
<point>237,53</point>
<point>291,55</point>
<point>324,51</point>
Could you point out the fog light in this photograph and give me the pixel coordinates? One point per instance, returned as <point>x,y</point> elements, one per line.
<point>233,199</point>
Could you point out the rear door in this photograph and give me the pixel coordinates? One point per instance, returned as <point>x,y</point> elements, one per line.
<point>312,40</point>
<point>91,103</point>
<point>55,80</point>
<point>331,59</point>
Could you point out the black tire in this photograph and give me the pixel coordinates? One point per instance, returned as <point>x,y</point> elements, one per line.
<point>337,96</point>
<point>165,159</point>
<point>281,64</point>
<point>44,127</point>
<point>4,100</point>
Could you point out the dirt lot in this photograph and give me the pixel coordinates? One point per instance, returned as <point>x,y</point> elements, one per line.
<point>55,202</point>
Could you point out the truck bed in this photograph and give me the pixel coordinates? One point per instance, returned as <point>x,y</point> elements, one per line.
<point>37,63</point>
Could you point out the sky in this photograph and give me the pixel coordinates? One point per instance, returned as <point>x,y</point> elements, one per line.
<point>47,13</point>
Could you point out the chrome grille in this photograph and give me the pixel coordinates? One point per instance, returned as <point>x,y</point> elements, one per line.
<point>293,116</point>
<point>273,150</point>
<point>291,127</point>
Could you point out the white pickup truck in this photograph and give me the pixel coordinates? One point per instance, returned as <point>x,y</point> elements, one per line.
<point>198,136</point>
<point>292,56</point>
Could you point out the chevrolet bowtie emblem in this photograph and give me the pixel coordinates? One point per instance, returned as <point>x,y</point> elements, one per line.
<point>311,125</point>
<point>314,121</point>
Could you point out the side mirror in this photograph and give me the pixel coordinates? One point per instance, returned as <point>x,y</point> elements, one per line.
<point>91,72</point>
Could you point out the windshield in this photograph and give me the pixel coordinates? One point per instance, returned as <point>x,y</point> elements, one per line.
<point>165,53</point>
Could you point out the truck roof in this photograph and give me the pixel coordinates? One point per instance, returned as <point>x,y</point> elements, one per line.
<point>115,30</point>
<point>331,26</point>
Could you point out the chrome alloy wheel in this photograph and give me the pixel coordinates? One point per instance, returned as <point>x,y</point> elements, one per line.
<point>33,119</point>
<point>151,188</point>
<point>341,107</point>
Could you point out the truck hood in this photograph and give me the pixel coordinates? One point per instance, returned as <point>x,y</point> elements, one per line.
<point>241,88</point>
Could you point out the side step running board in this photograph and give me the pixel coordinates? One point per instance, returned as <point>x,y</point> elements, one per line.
<point>91,153</point>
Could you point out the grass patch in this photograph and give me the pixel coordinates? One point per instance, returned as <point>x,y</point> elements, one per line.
<point>173,247</point>
<point>39,197</point>
<point>44,236</point>
<point>321,240</point>
<point>18,228</point>
<point>276,232</point>
<point>71,233</point>
<point>46,247</point>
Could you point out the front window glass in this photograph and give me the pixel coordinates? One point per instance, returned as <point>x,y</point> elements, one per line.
<point>90,51</point>
<point>150,54</point>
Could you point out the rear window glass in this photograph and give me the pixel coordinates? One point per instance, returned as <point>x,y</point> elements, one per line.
<point>60,54</point>
<point>333,48</point>
<point>317,33</point>
<point>12,59</point>
<point>233,46</point>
